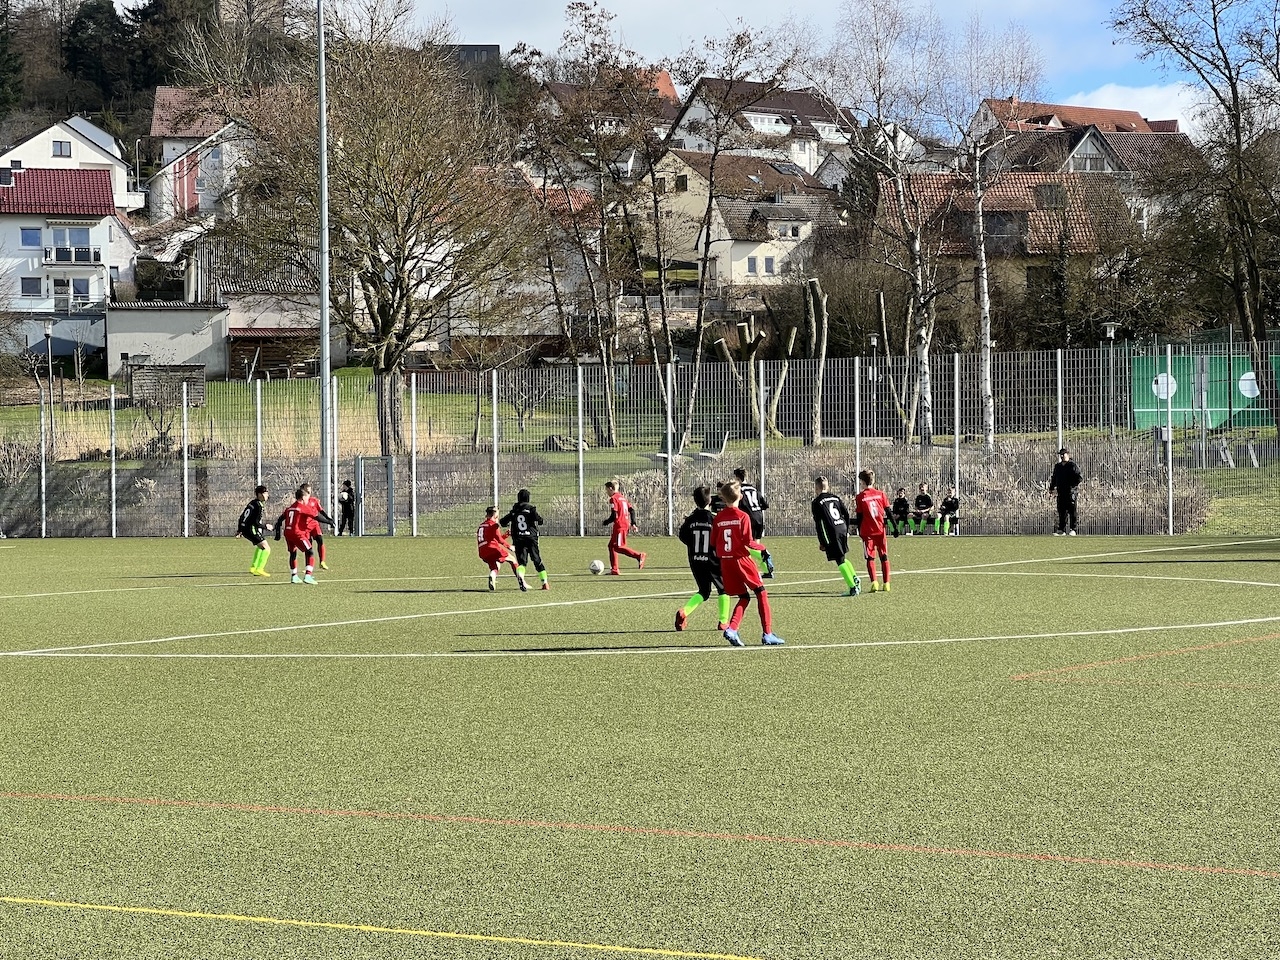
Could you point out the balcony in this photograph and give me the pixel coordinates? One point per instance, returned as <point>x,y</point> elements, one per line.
<point>70,256</point>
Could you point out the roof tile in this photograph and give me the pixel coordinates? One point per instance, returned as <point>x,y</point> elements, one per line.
<point>68,192</point>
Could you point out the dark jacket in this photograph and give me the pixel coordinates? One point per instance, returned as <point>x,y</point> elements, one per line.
<point>1066,477</point>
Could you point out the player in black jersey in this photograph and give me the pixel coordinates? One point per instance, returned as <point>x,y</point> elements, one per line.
<point>922,512</point>
<point>524,521</point>
<point>900,513</point>
<point>252,529</point>
<point>754,505</point>
<point>695,534</point>
<point>831,518</point>
<point>949,514</point>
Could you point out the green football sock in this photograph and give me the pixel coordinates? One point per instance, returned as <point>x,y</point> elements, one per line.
<point>542,575</point>
<point>846,571</point>
<point>726,607</point>
<point>259,559</point>
<point>520,571</point>
<point>937,524</point>
<point>694,602</point>
<point>946,526</point>
<point>756,555</point>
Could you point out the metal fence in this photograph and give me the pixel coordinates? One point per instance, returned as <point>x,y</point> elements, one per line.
<point>1170,439</point>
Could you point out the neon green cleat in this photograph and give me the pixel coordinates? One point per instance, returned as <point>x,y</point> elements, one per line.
<point>323,565</point>
<point>875,587</point>
<point>886,586</point>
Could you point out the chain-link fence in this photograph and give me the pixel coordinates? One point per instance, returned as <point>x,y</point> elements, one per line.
<point>1169,439</point>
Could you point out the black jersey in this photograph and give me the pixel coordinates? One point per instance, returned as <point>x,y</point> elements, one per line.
<point>250,523</point>
<point>924,503</point>
<point>950,505</point>
<point>753,504</point>
<point>901,507</point>
<point>524,520</point>
<point>695,534</point>
<point>831,518</point>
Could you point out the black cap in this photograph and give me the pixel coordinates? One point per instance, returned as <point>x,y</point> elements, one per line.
<point>1062,451</point>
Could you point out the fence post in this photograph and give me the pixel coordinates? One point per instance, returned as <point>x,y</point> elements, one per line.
<point>763,411</point>
<point>955,468</point>
<point>257,420</point>
<point>1061,440</point>
<point>332,452</point>
<point>857,418</point>
<point>112,421</point>
<point>186,477</point>
<point>493,403</point>
<point>44,501</point>
<point>671,454</point>
<point>582,501</point>
<point>413,454</point>
<point>1168,442</point>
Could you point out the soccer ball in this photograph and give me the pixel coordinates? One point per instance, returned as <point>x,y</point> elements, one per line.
<point>596,566</point>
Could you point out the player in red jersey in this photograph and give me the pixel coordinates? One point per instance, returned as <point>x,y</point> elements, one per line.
<point>870,507</point>
<point>731,536</point>
<point>296,524</point>
<point>317,539</point>
<point>493,547</point>
<point>623,517</point>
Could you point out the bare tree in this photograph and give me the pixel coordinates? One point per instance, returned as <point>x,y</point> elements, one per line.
<point>1232,50</point>
<point>425,208</point>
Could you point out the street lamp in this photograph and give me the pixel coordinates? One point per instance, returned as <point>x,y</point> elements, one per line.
<point>875,386</point>
<point>1109,328</point>
<point>48,355</point>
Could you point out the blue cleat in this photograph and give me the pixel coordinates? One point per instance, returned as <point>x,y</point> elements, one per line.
<point>733,638</point>
<point>768,568</point>
<point>772,640</point>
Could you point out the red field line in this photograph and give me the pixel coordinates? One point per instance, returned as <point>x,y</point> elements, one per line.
<point>622,829</point>
<point>1175,684</point>
<point>1076,667</point>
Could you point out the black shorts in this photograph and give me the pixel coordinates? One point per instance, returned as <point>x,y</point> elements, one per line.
<point>256,539</point>
<point>527,552</point>
<point>707,577</point>
<point>838,550</point>
<point>757,528</point>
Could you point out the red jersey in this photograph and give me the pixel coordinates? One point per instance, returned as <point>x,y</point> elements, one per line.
<point>621,508</point>
<point>490,538</point>
<point>731,534</point>
<point>870,507</point>
<point>298,519</point>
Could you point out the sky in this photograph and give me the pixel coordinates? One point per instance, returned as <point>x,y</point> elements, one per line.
<point>1082,64</point>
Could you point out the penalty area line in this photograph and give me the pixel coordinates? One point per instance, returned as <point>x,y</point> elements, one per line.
<point>368,928</point>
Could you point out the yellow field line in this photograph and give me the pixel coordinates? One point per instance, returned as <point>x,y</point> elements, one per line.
<point>366,928</point>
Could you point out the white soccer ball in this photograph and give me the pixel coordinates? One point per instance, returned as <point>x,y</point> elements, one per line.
<point>596,566</point>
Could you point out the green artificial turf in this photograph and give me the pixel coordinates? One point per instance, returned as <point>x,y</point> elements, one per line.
<point>1035,747</point>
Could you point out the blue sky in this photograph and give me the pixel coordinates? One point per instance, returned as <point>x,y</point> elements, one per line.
<point>1083,65</point>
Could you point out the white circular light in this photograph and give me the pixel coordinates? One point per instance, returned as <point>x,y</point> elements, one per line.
<point>1249,385</point>
<point>1164,385</point>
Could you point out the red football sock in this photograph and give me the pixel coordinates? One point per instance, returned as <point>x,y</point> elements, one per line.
<point>320,548</point>
<point>735,621</point>
<point>871,570</point>
<point>766,615</point>
<point>884,568</point>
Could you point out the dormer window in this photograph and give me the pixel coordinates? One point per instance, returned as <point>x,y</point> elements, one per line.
<point>62,148</point>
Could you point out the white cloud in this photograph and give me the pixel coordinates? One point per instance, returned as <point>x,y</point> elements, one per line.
<point>1155,102</point>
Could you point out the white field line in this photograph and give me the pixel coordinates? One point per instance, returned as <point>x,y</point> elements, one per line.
<point>1116,576</point>
<point>653,651</point>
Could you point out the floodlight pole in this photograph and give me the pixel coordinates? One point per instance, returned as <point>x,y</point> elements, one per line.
<point>328,468</point>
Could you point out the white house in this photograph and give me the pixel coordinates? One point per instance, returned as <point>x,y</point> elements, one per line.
<point>760,243</point>
<point>62,247</point>
<point>77,144</point>
<point>199,154</point>
<point>794,125</point>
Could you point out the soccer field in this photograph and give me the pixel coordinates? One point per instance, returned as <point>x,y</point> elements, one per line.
<point>1046,747</point>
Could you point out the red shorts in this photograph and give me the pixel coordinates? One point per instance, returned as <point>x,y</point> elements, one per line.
<point>493,557</point>
<point>740,576</point>
<point>874,546</point>
<point>619,536</point>
<point>297,543</point>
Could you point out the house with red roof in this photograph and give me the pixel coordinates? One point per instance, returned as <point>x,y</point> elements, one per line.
<point>200,151</point>
<point>65,248</point>
<point>78,144</point>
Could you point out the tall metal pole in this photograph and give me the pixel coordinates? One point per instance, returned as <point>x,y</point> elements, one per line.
<point>257,430</point>
<point>113,460</point>
<point>493,405</point>
<point>763,408</point>
<point>413,455</point>
<point>582,494</point>
<point>327,467</point>
<point>44,503</point>
<point>857,419</point>
<point>1168,442</point>
<point>186,465</point>
<point>955,443</point>
<point>1061,440</point>
<point>671,453</point>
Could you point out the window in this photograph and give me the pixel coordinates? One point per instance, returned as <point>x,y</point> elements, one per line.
<point>215,153</point>
<point>795,230</point>
<point>15,164</point>
<point>1051,196</point>
<point>62,148</point>
<point>70,236</point>
<point>31,287</point>
<point>768,265</point>
<point>682,183</point>
<point>32,237</point>
<point>751,265</point>
<point>80,289</point>
<point>660,185</point>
